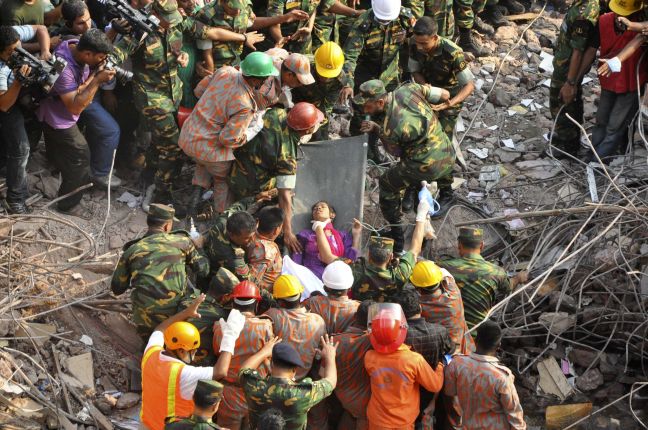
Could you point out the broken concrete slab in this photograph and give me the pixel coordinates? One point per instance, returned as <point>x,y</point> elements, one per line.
<point>557,322</point>
<point>25,407</point>
<point>128,400</point>
<point>40,333</point>
<point>590,380</point>
<point>552,380</point>
<point>539,169</point>
<point>81,368</point>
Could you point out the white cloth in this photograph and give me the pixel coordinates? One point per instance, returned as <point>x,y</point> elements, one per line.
<point>614,64</point>
<point>189,376</point>
<point>255,125</point>
<point>307,278</point>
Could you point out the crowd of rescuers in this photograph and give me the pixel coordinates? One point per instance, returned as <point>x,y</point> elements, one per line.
<point>231,89</point>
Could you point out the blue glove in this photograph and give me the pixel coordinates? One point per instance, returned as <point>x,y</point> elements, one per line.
<point>426,195</point>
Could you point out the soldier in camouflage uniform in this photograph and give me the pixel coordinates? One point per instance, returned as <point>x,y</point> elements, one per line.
<point>206,398</point>
<point>481,283</point>
<point>155,267</point>
<point>412,132</point>
<point>565,92</point>
<point>372,52</point>
<point>282,390</point>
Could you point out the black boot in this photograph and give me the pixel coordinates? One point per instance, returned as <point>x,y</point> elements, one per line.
<point>468,44</point>
<point>164,197</point>
<point>481,27</point>
<point>397,233</point>
<point>513,6</point>
<point>410,200</point>
<point>494,17</point>
<point>196,196</point>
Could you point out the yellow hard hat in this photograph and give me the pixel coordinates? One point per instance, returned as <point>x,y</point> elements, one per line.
<point>625,7</point>
<point>329,60</point>
<point>182,335</point>
<point>286,286</point>
<point>426,274</point>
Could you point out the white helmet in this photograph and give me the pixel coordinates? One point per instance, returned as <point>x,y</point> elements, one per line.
<point>338,276</point>
<point>387,10</point>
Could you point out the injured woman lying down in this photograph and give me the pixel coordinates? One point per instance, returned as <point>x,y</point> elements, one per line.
<point>342,244</point>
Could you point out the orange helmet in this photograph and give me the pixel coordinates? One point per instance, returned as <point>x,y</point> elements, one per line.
<point>304,116</point>
<point>246,290</point>
<point>183,335</point>
<point>387,327</point>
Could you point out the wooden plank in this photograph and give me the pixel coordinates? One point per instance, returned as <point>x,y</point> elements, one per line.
<point>522,17</point>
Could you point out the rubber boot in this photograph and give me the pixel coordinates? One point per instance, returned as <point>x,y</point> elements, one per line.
<point>469,44</point>
<point>397,233</point>
<point>196,196</point>
<point>494,17</point>
<point>481,27</point>
<point>410,199</point>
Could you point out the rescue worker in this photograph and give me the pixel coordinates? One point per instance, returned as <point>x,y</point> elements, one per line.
<point>441,302</point>
<point>353,388</point>
<point>283,389</point>
<point>158,89</point>
<point>263,254</point>
<point>412,132</point>
<point>237,16</point>
<point>257,331</point>
<point>220,121</point>
<point>155,267</point>
<point>269,160</point>
<point>302,329</point>
<point>481,283</point>
<point>395,371</point>
<point>379,276</point>
<point>485,388</point>
<point>207,397</point>
<point>565,93</point>
<point>336,308</point>
<point>323,92</point>
<point>297,36</point>
<point>294,72</point>
<point>168,379</point>
<point>372,52</point>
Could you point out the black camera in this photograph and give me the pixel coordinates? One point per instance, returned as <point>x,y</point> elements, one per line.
<point>141,21</point>
<point>121,74</point>
<point>43,73</point>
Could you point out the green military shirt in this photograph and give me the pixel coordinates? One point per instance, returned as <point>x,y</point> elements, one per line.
<point>155,267</point>
<point>576,29</point>
<point>371,50</point>
<point>481,284</point>
<point>442,12</point>
<point>323,93</point>
<point>293,399</point>
<point>194,422</point>
<point>213,14</point>
<point>373,283</point>
<point>411,129</point>
<point>155,64</point>
<point>270,154</point>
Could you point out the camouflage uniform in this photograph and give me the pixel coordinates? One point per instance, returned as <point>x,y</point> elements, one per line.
<point>443,14</point>
<point>380,285</point>
<point>213,14</point>
<point>412,132</point>
<point>208,391</point>
<point>444,68</point>
<point>157,91</point>
<point>577,28</point>
<point>270,154</point>
<point>293,399</point>
<point>280,7</point>
<point>372,52</point>
<point>325,28</point>
<point>346,23</point>
<point>155,267</point>
<point>481,283</point>
<point>323,94</point>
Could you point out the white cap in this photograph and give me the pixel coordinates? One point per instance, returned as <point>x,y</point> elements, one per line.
<point>387,10</point>
<point>338,276</point>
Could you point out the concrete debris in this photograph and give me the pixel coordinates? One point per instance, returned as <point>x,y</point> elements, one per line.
<point>500,97</point>
<point>39,333</point>
<point>552,380</point>
<point>539,169</point>
<point>557,322</point>
<point>81,368</point>
<point>128,400</point>
<point>590,380</point>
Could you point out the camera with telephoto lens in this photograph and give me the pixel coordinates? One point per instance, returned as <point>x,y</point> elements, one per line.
<point>121,74</point>
<point>43,73</point>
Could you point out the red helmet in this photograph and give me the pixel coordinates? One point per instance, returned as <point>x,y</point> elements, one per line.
<point>246,290</point>
<point>304,116</point>
<point>387,327</point>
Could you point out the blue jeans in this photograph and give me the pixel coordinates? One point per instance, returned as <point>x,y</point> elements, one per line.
<point>16,143</point>
<point>615,111</point>
<point>102,134</point>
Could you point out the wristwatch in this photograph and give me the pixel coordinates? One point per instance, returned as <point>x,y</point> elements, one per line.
<point>571,82</point>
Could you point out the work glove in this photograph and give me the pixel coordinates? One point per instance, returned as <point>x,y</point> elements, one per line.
<point>422,211</point>
<point>322,224</point>
<point>231,330</point>
<point>614,64</point>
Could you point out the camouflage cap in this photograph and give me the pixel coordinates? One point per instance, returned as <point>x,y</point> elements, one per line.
<point>222,283</point>
<point>300,66</point>
<point>168,9</point>
<point>471,233</point>
<point>208,391</point>
<point>163,212</point>
<point>370,91</point>
<point>382,242</point>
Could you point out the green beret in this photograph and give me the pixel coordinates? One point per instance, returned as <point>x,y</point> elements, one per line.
<point>163,212</point>
<point>370,91</point>
<point>382,242</point>
<point>208,391</point>
<point>222,283</point>
<point>470,233</point>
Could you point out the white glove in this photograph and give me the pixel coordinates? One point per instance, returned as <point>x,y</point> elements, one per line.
<point>322,224</point>
<point>255,125</point>
<point>422,211</point>
<point>614,64</point>
<point>231,330</point>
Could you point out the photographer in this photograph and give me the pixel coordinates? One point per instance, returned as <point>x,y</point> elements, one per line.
<point>73,92</point>
<point>12,121</point>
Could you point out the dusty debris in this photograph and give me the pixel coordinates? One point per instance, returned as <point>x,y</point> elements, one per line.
<point>557,322</point>
<point>590,380</point>
<point>81,368</point>
<point>39,333</point>
<point>127,400</point>
<point>552,380</point>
